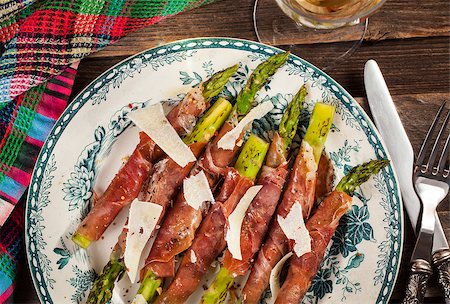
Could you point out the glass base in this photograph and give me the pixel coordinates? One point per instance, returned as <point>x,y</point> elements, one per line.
<point>273,27</point>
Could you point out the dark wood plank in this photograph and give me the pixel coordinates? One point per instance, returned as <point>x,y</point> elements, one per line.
<point>410,66</point>
<point>416,112</point>
<point>395,20</point>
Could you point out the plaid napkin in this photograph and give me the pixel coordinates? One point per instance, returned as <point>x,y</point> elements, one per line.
<point>43,42</point>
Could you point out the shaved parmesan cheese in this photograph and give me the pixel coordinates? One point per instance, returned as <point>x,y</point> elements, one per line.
<point>235,220</point>
<point>139,299</point>
<point>228,141</point>
<point>154,123</point>
<point>142,220</point>
<point>193,257</point>
<point>274,279</point>
<point>294,228</point>
<point>196,190</point>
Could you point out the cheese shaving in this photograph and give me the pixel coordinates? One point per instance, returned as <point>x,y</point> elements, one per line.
<point>193,257</point>
<point>233,236</point>
<point>154,123</point>
<point>196,190</point>
<point>139,299</point>
<point>294,228</point>
<point>228,141</point>
<point>274,279</point>
<point>142,220</point>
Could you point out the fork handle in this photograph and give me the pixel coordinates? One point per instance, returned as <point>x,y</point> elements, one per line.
<point>441,260</point>
<point>420,272</point>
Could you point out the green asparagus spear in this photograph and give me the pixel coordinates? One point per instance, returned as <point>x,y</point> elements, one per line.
<point>319,126</point>
<point>203,131</point>
<point>101,291</point>
<point>256,81</point>
<point>359,175</point>
<point>210,123</point>
<point>251,157</point>
<point>215,84</point>
<point>316,134</point>
<point>149,286</point>
<point>217,292</point>
<point>81,240</point>
<point>289,121</point>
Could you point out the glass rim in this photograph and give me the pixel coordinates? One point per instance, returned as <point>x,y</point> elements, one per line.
<point>347,20</point>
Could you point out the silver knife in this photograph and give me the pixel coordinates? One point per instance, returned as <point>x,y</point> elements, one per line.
<point>402,155</point>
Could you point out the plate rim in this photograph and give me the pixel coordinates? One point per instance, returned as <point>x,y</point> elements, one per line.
<point>78,99</point>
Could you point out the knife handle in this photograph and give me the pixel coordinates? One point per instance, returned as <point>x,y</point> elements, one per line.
<point>420,272</point>
<point>441,260</point>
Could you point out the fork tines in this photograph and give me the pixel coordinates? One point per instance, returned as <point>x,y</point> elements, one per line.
<point>430,166</point>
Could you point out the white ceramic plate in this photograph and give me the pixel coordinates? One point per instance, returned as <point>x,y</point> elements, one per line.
<point>87,144</point>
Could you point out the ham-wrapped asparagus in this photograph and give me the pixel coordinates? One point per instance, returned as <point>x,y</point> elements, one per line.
<point>162,186</point>
<point>180,224</point>
<point>321,227</point>
<point>260,211</point>
<point>168,176</point>
<point>209,240</point>
<point>300,189</point>
<point>127,183</point>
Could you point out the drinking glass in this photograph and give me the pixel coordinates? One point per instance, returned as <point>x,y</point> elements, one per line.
<point>293,22</point>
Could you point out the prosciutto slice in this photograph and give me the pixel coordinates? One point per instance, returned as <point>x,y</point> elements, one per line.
<point>209,241</point>
<point>300,188</point>
<point>257,218</point>
<point>127,183</point>
<point>181,222</point>
<point>321,227</point>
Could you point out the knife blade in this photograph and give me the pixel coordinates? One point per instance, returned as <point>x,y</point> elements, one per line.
<point>402,155</point>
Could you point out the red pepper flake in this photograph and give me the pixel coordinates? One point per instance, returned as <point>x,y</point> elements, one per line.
<point>130,105</point>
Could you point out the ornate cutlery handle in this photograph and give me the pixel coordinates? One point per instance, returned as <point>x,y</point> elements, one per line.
<point>417,283</point>
<point>441,260</point>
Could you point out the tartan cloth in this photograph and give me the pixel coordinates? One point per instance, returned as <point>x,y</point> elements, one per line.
<point>43,44</point>
<point>51,34</point>
<point>10,250</point>
<point>24,125</point>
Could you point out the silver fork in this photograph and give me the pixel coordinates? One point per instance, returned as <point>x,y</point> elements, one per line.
<point>432,182</point>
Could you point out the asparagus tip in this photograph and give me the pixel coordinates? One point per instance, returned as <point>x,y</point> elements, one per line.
<point>360,174</point>
<point>289,121</point>
<point>215,84</point>
<point>101,291</point>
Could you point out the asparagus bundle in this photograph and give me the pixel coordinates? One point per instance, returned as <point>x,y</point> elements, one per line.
<point>259,214</point>
<point>166,180</point>
<point>127,183</point>
<point>163,184</point>
<point>321,227</point>
<point>209,239</point>
<point>300,189</point>
<point>181,222</point>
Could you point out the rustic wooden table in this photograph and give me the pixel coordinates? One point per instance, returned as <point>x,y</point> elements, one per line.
<point>410,39</point>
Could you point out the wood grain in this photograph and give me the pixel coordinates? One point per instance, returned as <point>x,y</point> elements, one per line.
<point>410,66</point>
<point>395,20</point>
<point>410,107</point>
